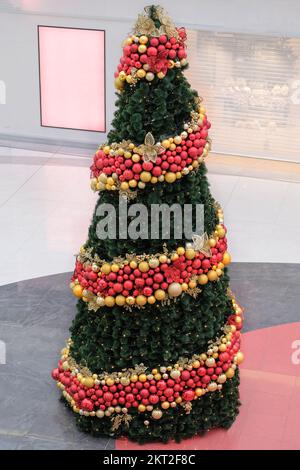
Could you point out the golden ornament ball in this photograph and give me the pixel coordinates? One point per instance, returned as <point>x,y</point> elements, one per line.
<point>156,414</point>
<point>141,300</point>
<point>174,289</point>
<point>153,263</point>
<point>77,290</point>
<point>141,408</point>
<point>159,294</point>
<point>151,300</point>
<point>202,279</point>
<point>119,84</point>
<point>166,143</point>
<point>142,48</point>
<point>149,76</point>
<point>165,405</point>
<point>88,382</point>
<point>142,377</point>
<point>180,251</point>
<point>163,259</point>
<point>144,266</point>
<point>229,373</point>
<point>134,378</point>
<point>212,387</point>
<point>212,275</point>
<point>115,268</point>
<point>141,73</point>
<point>170,177</point>
<point>120,300</point>
<point>109,301</point>
<point>190,253</point>
<point>130,300</point>
<point>145,176</point>
<point>239,357</point>
<point>105,268</point>
<point>226,258</point>
<point>143,39</point>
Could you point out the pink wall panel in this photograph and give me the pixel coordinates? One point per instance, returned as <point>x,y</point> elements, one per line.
<point>72,78</point>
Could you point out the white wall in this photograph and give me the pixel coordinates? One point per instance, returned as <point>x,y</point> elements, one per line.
<point>18,45</point>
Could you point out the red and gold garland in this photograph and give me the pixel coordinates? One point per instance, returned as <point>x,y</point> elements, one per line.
<point>136,281</point>
<point>126,166</point>
<point>156,390</point>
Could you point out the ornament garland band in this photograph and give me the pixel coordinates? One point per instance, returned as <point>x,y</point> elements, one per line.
<point>126,167</point>
<point>151,391</point>
<point>137,280</point>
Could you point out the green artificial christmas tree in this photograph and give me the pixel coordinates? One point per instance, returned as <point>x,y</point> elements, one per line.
<point>154,349</point>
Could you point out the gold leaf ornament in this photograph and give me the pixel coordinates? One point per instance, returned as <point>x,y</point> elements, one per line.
<point>201,244</point>
<point>149,150</point>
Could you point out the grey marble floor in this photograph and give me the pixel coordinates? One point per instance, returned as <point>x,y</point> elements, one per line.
<point>34,319</point>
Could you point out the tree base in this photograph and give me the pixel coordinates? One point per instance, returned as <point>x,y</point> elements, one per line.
<point>213,410</point>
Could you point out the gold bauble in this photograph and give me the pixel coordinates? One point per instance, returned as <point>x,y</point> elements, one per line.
<point>160,75</point>
<point>142,48</point>
<point>222,379</point>
<point>156,414</point>
<point>143,39</point>
<point>226,258</point>
<point>120,300</point>
<point>144,266</point>
<point>130,300</point>
<point>77,290</point>
<point>115,268</point>
<point>141,73</point>
<point>105,268</point>
<point>165,405</point>
<point>133,264</point>
<point>110,382</point>
<point>180,251</point>
<point>199,392</point>
<point>212,387</point>
<point>229,373</point>
<point>202,279</point>
<point>239,357</point>
<point>174,289</point>
<point>119,84</point>
<point>190,253</point>
<point>150,76</point>
<point>163,259</point>
<point>88,382</point>
<point>166,143</point>
<point>141,408</point>
<point>170,177</point>
<point>175,374</point>
<point>212,275</point>
<point>145,176</point>
<point>109,301</point>
<point>159,294</point>
<point>141,300</point>
<point>151,300</point>
<point>125,381</point>
<point>177,140</point>
<point>142,377</point>
<point>153,263</point>
<point>134,378</point>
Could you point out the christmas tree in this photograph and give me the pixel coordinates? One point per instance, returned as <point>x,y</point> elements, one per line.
<point>155,345</point>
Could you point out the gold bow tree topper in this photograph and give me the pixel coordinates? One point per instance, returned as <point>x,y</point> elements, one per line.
<point>149,149</point>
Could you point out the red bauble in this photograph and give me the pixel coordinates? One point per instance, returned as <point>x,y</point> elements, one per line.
<point>153,399</point>
<point>188,395</point>
<point>152,51</point>
<point>87,404</point>
<point>185,375</point>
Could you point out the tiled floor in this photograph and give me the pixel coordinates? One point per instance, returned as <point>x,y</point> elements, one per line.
<point>46,205</point>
